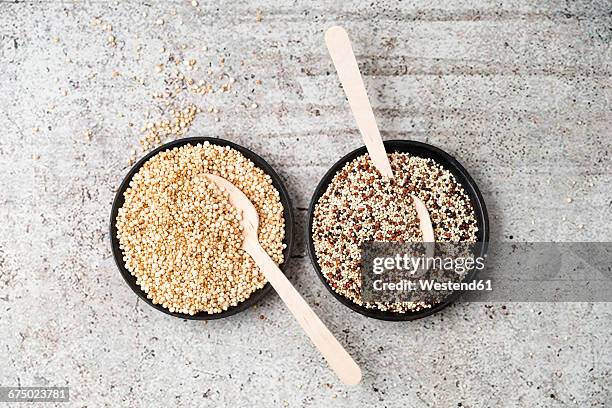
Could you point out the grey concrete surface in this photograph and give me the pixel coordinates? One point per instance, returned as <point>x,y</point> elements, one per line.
<point>519,91</point>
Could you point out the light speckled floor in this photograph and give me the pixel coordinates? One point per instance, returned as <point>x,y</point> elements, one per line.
<point>519,92</point>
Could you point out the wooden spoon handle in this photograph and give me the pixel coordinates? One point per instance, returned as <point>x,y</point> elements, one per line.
<point>337,357</point>
<point>340,49</point>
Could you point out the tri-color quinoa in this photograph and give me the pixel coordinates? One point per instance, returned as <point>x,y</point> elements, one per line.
<point>360,205</point>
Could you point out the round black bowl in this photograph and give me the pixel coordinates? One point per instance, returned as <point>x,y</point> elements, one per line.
<point>417,149</point>
<point>259,162</point>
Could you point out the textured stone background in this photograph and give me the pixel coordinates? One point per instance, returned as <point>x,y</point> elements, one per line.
<point>519,91</point>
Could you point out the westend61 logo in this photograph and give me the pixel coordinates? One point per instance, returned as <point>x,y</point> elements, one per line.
<point>513,272</point>
<point>415,267</point>
<point>419,272</point>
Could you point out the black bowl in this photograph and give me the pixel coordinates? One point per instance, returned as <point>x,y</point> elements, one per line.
<point>422,150</point>
<point>259,162</point>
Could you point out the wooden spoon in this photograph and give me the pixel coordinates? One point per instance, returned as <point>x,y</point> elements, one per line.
<point>337,357</point>
<point>340,49</point>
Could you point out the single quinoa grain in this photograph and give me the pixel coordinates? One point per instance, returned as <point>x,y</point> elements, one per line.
<point>182,239</point>
<point>359,205</point>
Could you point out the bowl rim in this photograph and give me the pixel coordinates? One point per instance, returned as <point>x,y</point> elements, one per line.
<point>277,182</point>
<point>445,160</point>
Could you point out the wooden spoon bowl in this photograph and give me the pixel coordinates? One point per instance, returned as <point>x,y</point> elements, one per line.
<point>337,357</point>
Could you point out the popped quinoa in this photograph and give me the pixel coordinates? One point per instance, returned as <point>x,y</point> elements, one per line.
<point>360,205</point>
<point>182,239</point>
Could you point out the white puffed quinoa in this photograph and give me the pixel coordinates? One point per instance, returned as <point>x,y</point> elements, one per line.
<point>359,205</point>
<point>182,239</point>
